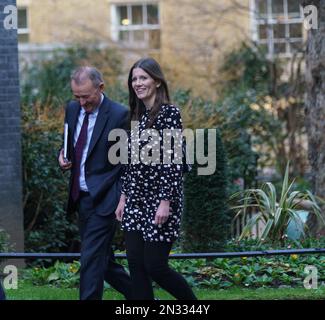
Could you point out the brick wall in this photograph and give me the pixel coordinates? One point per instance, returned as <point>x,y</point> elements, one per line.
<point>11,213</point>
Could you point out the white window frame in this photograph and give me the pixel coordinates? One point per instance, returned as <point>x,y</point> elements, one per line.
<point>257,20</point>
<point>24,30</point>
<point>116,28</point>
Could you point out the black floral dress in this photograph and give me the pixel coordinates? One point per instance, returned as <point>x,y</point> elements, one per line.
<point>145,184</point>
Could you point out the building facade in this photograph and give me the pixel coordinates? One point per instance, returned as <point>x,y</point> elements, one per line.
<point>188,37</point>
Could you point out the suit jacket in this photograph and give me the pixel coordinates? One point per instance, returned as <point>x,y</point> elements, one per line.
<point>102,177</point>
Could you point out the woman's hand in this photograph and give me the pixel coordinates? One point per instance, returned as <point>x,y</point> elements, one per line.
<point>163,212</point>
<point>120,208</point>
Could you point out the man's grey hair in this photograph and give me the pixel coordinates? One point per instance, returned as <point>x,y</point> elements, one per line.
<point>82,74</point>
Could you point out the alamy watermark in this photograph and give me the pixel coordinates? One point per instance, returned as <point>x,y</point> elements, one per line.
<point>164,147</point>
<point>311,280</point>
<point>310,13</point>
<point>10,22</point>
<point>10,280</point>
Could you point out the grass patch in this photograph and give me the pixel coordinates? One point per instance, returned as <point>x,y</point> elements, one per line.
<point>27,291</point>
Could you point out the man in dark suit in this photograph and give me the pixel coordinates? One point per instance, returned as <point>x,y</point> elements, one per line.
<point>94,188</point>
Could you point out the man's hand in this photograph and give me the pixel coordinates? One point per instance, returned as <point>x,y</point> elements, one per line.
<point>163,212</point>
<point>120,208</point>
<point>65,165</point>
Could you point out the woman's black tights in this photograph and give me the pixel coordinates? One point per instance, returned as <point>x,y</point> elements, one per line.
<point>149,261</point>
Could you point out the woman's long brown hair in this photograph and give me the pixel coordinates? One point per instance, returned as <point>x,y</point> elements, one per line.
<point>137,107</point>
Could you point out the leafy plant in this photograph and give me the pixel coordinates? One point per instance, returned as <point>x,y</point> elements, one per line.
<point>274,213</point>
<point>61,274</point>
<point>220,273</point>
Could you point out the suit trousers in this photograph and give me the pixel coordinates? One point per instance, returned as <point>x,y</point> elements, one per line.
<point>97,258</point>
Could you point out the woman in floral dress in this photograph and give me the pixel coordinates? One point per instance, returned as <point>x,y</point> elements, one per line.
<point>151,202</point>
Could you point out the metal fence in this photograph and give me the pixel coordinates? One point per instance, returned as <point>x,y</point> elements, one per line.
<point>23,255</point>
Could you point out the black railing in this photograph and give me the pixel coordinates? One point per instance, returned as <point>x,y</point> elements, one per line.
<point>16,255</point>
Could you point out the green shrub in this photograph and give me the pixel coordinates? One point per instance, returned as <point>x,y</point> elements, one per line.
<point>206,218</point>
<point>235,122</point>
<point>272,104</point>
<point>47,227</point>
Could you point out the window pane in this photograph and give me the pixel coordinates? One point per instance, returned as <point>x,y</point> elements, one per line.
<point>294,8</point>
<point>279,31</point>
<point>295,30</point>
<point>277,7</point>
<point>152,14</point>
<point>262,32</point>
<point>261,7</point>
<point>154,39</point>
<point>137,17</point>
<point>124,36</point>
<point>22,19</point>
<point>123,15</point>
<point>138,35</point>
<point>279,48</point>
